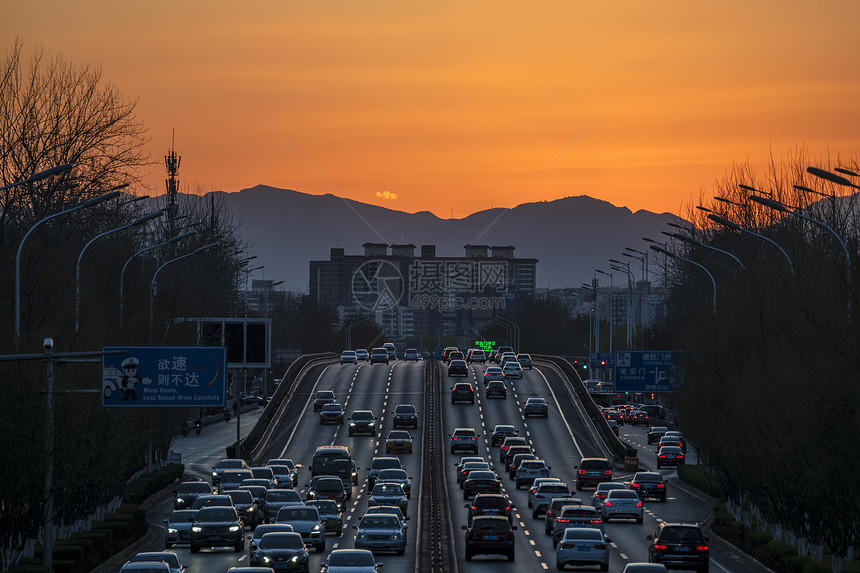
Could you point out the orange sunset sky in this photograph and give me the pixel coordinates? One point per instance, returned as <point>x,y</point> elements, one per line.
<point>455,107</point>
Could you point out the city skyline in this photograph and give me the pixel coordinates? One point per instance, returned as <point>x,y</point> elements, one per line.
<point>454,108</point>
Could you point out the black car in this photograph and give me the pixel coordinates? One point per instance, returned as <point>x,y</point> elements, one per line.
<point>655,433</point>
<point>679,546</point>
<point>649,484</point>
<point>281,552</point>
<point>462,392</point>
<point>379,355</point>
<point>405,416</point>
<point>490,535</point>
<point>188,492</point>
<point>592,471</point>
<point>246,507</point>
<point>323,397</point>
<point>513,451</point>
<point>490,504</point>
<point>500,432</point>
<point>331,413</point>
<point>217,527</point>
<point>378,464</point>
<point>362,422</point>
<point>510,441</point>
<point>458,368</point>
<point>497,389</point>
<point>481,481</point>
<point>328,487</point>
<point>535,407</point>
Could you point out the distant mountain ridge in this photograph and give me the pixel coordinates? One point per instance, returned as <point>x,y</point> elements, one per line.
<point>570,237</point>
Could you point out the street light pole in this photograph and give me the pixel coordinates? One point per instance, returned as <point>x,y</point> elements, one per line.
<point>674,256</point>
<point>734,226</point>
<point>202,249</point>
<point>625,268</point>
<point>698,243</point>
<point>610,306</point>
<point>135,223</point>
<point>88,203</point>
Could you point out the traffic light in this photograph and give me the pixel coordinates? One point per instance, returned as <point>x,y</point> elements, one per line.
<point>603,363</point>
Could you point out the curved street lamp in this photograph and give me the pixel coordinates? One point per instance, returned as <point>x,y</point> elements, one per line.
<point>680,258</point>
<point>202,249</point>
<point>735,227</point>
<point>610,305</point>
<point>698,243</point>
<point>40,175</point>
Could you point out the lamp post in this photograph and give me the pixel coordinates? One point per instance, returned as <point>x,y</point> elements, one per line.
<point>610,306</point>
<point>88,203</point>
<point>625,268</point>
<point>734,226</point>
<point>680,258</point>
<point>59,169</point>
<point>202,249</point>
<point>122,274</point>
<point>135,223</point>
<point>644,260</point>
<point>590,321</point>
<point>698,243</point>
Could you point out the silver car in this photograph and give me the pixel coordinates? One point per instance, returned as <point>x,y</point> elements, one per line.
<point>350,561</point>
<point>583,546</point>
<point>305,520</point>
<point>622,504</point>
<point>380,532</point>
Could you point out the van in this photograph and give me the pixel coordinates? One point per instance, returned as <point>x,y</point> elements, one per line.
<point>329,460</point>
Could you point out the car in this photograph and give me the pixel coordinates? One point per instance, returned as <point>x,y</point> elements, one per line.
<point>215,500</point>
<point>490,504</point>
<point>172,559</point>
<point>525,361</point>
<point>507,357</point>
<point>250,570</point>
<point>465,469</point>
<point>362,354</point>
<point>362,422</point>
<point>668,440</point>
<point>217,526</point>
<point>582,546</point>
<point>511,440</point>
<point>261,530</point>
<point>323,397</point>
<point>251,399</point>
<point>456,355</point>
<point>379,356</point>
<point>331,413</point>
<point>258,492</point>
<point>614,416</point>
<point>592,471</point>
<point>392,509</point>
<point>509,458</point>
<point>535,406</point>
<point>644,568</point>
<point>448,350</point>
<point>328,487</point>
<point>458,368</point>
<point>637,418</point>
<point>462,392</point>
<point>649,484</point>
<point>388,494</point>
<point>145,567</point>
<point>330,514</point>
<point>489,535</point>
<point>464,439</point>
<point>305,520</point>
<point>677,436</point>
<point>231,479</point>
<point>254,482</point>
<point>380,532</point>
<point>350,561</point>
<point>478,355</point>
<point>655,433</point>
<point>281,552</point>
<point>398,441</point>
<point>544,493</point>
<point>679,546</point>
<point>576,516</point>
<point>246,506</point>
<point>534,485</point>
<point>226,464</point>
<point>529,470</point>
<point>284,476</point>
<point>497,389</point>
<point>275,499</point>
<point>188,492</point>
<point>554,508</point>
<point>602,489</point>
<point>500,432</point>
<point>502,350</point>
<point>398,476</point>
<point>293,467</point>
<point>481,481</point>
<point>348,357</point>
<point>411,354</point>
<point>493,373</point>
<point>512,369</point>
<point>378,464</point>
<point>622,504</point>
<point>493,354</point>
<point>177,527</point>
<point>264,472</point>
<point>613,425</point>
<point>391,349</point>
<point>670,456</point>
<point>405,416</point>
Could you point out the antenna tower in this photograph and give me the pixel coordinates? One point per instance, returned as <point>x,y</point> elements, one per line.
<point>171,162</point>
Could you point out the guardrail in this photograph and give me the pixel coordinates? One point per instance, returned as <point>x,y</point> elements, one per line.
<point>258,438</point>
<point>619,449</point>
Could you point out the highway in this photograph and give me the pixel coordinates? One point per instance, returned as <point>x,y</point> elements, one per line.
<point>559,439</point>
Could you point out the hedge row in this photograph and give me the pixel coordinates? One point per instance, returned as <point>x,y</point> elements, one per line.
<point>85,550</point>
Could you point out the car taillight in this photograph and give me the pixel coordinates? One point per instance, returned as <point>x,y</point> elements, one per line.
<point>607,503</point>
<point>638,504</point>
<point>661,485</point>
<point>474,508</point>
<point>660,546</point>
<point>596,521</point>
<point>474,438</point>
<point>634,484</point>
<point>508,508</point>
<point>701,548</point>
<point>560,520</point>
<point>600,546</point>
<point>581,472</point>
<point>607,472</point>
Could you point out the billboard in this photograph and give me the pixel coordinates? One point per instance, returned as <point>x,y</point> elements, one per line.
<point>164,376</point>
<point>646,370</point>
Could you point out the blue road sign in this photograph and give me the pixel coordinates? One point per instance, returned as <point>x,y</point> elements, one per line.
<point>173,376</point>
<point>645,370</point>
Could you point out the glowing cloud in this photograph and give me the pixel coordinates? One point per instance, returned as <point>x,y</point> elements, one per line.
<point>387,195</point>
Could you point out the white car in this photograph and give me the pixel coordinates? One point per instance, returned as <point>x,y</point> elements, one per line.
<point>512,369</point>
<point>350,561</point>
<point>622,504</point>
<point>348,357</point>
<point>583,546</point>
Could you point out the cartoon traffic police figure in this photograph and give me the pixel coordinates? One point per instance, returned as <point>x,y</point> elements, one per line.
<point>130,379</point>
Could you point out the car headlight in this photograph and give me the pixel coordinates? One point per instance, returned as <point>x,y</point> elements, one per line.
<point>234,528</point>
<point>296,558</point>
<point>180,500</point>
<point>196,528</point>
<point>267,559</point>
<point>316,527</point>
<point>214,474</point>
<point>397,536</point>
<point>251,510</point>
<point>171,530</point>
<point>352,423</point>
